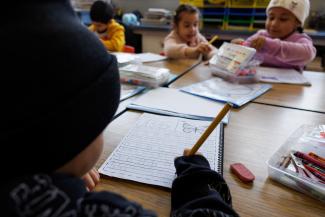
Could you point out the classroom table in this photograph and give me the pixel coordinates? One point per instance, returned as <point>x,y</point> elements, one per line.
<point>254,133</point>
<point>296,96</point>
<point>177,67</point>
<point>310,98</point>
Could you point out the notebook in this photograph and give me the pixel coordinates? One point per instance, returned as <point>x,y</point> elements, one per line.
<point>146,154</point>
<point>129,90</point>
<point>278,75</point>
<point>173,102</point>
<point>221,90</point>
<point>124,58</point>
<point>150,57</point>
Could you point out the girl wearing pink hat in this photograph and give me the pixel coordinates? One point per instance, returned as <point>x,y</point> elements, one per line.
<point>283,44</point>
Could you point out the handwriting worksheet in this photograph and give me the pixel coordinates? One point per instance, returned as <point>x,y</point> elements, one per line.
<point>146,154</point>
<point>278,75</point>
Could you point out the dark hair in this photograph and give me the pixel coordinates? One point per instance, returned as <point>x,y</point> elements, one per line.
<point>101,11</point>
<point>300,29</point>
<point>184,8</point>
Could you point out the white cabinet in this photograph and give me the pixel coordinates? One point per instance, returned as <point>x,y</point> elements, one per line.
<point>152,41</point>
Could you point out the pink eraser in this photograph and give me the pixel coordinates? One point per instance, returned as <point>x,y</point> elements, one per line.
<point>242,172</point>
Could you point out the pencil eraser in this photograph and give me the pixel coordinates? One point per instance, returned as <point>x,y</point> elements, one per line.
<point>242,172</point>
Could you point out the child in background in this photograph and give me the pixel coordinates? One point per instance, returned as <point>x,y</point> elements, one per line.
<point>54,135</point>
<point>283,44</point>
<point>111,33</point>
<point>185,41</point>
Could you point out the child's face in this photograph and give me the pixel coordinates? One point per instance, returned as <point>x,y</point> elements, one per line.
<point>280,22</point>
<point>188,25</point>
<point>100,27</point>
<point>85,160</point>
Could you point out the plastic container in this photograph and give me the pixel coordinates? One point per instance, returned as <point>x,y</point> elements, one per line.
<point>148,76</point>
<point>306,139</point>
<point>234,63</point>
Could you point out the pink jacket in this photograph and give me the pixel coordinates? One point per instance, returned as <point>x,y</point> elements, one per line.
<point>174,46</point>
<point>293,52</point>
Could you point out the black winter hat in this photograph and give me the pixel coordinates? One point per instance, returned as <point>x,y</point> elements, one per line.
<point>59,91</point>
<point>101,11</point>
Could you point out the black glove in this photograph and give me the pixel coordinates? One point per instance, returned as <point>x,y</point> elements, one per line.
<point>198,190</point>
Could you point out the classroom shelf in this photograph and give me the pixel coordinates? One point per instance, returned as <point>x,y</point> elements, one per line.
<point>197,3</point>
<point>231,14</point>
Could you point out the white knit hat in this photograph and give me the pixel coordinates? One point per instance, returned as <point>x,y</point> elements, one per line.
<point>300,8</point>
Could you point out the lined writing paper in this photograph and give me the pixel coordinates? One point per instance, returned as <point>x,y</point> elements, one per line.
<point>146,154</point>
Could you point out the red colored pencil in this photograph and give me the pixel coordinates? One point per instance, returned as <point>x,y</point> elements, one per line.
<point>309,159</point>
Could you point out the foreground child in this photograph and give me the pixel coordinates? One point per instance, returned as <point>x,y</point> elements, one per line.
<point>185,41</point>
<point>283,44</point>
<point>52,121</point>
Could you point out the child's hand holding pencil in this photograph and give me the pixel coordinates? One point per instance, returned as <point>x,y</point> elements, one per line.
<point>209,130</point>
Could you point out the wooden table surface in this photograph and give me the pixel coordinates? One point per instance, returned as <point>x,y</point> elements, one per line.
<point>309,98</point>
<point>177,67</point>
<point>254,133</point>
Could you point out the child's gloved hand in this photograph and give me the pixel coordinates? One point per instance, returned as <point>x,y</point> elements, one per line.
<point>91,179</point>
<point>258,43</point>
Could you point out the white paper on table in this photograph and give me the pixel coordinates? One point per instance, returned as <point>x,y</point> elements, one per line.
<point>150,57</point>
<point>146,154</point>
<point>278,75</point>
<point>173,102</point>
<point>129,90</point>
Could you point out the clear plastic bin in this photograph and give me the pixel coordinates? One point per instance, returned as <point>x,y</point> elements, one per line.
<point>235,63</point>
<point>306,139</point>
<point>148,76</point>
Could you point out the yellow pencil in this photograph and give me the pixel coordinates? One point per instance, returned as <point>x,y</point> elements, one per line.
<point>212,126</point>
<point>213,39</point>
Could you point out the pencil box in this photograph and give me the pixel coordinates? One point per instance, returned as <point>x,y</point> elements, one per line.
<point>235,63</point>
<point>299,162</point>
<point>148,76</point>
